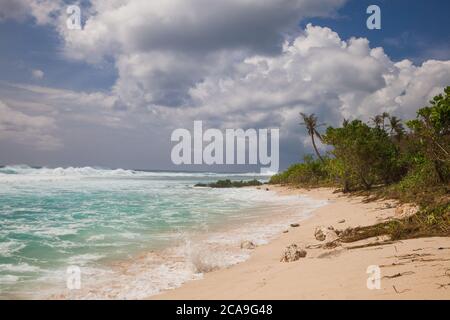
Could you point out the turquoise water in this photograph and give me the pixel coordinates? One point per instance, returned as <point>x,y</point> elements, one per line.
<point>132,233</point>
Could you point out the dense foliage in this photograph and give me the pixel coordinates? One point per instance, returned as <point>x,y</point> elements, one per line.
<point>383,159</point>
<point>381,153</point>
<point>363,156</point>
<point>308,173</point>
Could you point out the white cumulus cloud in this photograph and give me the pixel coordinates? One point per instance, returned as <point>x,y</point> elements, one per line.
<point>37,74</point>
<point>235,63</point>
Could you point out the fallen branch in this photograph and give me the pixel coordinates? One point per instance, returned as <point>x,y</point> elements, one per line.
<point>400,292</point>
<point>407,273</point>
<point>373,244</point>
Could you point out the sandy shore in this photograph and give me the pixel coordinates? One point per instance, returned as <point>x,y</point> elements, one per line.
<point>411,269</point>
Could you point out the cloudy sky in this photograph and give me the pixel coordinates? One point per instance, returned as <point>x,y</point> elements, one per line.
<point>111,94</point>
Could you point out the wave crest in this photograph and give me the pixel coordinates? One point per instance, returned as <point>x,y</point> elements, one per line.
<point>79,172</point>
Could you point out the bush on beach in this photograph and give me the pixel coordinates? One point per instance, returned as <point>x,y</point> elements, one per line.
<point>308,173</point>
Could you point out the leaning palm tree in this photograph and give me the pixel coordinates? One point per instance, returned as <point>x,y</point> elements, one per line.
<point>310,122</point>
<point>396,127</point>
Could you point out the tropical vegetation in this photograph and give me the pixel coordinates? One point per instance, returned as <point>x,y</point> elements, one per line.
<point>408,161</point>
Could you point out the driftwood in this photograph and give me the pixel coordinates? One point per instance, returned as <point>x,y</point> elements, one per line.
<point>373,244</point>
<point>400,292</point>
<point>407,273</point>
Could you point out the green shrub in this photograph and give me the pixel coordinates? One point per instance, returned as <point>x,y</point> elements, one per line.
<point>431,134</point>
<point>308,173</point>
<point>364,156</point>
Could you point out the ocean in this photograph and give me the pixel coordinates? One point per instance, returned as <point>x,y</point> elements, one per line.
<point>130,233</point>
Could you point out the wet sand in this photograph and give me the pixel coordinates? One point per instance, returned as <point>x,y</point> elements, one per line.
<point>409,269</point>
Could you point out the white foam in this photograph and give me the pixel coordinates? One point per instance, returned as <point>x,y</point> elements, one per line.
<point>21,173</point>
<point>196,255</point>
<point>84,259</point>
<point>55,232</point>
<point>244,214</point>
<point>96,238</point>
<point>18,268</point>
<point>10,247</point>
<point>8,279</point>
<point>129,235</point>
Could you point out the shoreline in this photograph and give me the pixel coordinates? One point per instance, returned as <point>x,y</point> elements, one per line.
<point>409,269</point>
<point>191,255</point>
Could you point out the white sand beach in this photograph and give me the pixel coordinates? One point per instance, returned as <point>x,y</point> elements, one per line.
<point>410,269</point>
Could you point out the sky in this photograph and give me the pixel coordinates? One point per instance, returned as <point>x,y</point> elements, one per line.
<point>111,94</point>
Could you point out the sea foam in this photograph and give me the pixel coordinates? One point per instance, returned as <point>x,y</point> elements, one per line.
<point>132,233</point>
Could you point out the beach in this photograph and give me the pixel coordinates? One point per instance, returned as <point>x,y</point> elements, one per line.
<point>131,234</point>
<point>409,269</point>
<point>153,235</point>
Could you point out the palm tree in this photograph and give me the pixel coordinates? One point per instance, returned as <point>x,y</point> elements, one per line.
<point>310,122</point>
<point>378,121</point>
<point>345,122</point>
<point>396,126</point>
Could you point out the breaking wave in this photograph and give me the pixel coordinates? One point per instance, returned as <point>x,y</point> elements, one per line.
<point>132,233</point>
<point>80,172</point>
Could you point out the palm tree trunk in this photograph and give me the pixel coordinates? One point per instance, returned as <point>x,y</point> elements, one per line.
<point>315,148</point>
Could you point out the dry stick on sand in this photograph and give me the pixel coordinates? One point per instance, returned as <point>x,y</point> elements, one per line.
<point>407,273</point>
<point>400,292</point>
<point>412,256</point>
<point>373,244</point>
<point>444,285</point>
<point>429,260</point>
<point>393,264</point>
